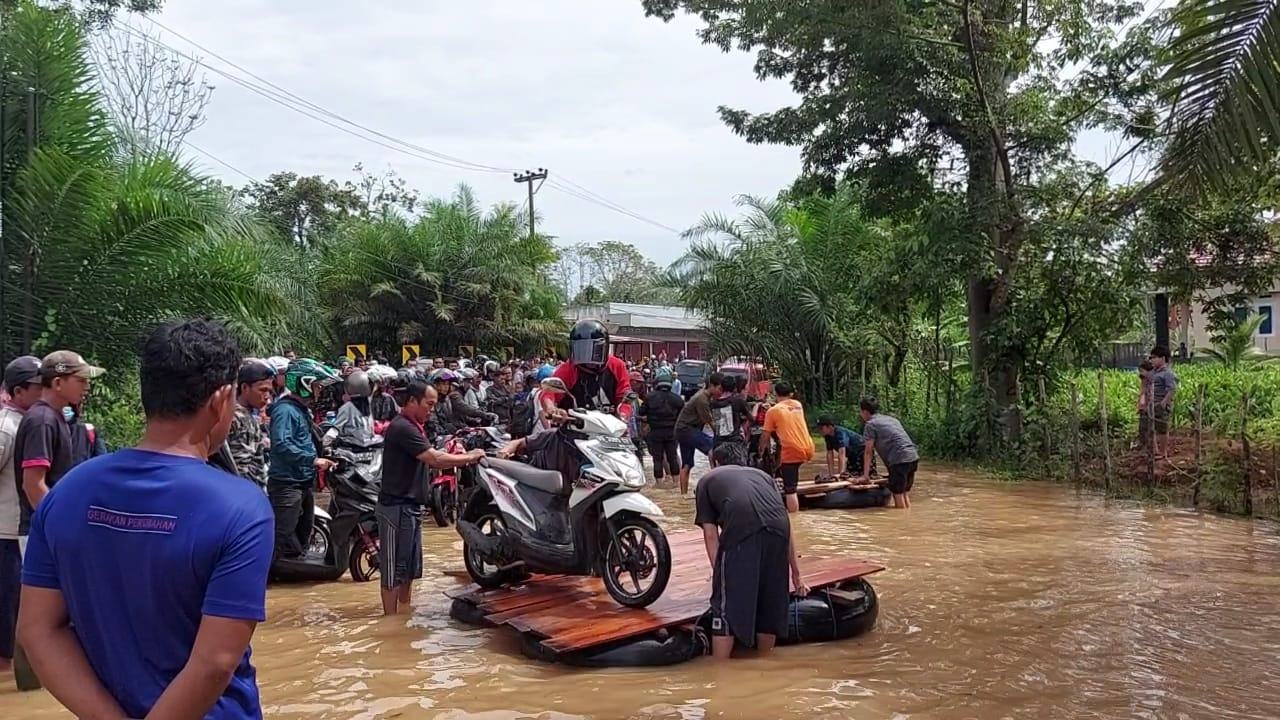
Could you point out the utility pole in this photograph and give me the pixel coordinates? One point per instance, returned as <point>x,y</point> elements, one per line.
<point>528,177</point>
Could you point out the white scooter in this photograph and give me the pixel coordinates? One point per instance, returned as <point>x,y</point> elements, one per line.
<point>522,520</point>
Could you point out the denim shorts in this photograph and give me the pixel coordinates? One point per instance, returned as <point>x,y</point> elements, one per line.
<point>692,441</point>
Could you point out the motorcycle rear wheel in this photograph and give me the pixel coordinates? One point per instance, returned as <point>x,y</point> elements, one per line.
<point>622,553</point>
<point>488,576</point>
<point>444,506</point>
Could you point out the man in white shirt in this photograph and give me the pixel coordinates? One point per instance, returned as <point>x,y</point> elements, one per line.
<point>22,383</point>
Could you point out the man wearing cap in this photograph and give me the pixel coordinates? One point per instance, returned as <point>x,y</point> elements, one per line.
<point>42,446</point>
<point>22,384</point>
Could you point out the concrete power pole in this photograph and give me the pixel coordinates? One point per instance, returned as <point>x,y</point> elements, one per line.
<point>528,177</point>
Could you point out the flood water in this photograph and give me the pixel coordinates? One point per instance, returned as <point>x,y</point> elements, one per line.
<point>1001,601</point>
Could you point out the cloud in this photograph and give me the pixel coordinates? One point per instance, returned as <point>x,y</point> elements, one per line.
<point>594,91</point>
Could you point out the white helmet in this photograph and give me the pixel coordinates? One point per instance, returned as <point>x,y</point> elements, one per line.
<point>467,373</point>
<point>278,363</point>
<point>491,368</point>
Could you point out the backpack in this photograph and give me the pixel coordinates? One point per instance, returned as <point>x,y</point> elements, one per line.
<point>522,417</point>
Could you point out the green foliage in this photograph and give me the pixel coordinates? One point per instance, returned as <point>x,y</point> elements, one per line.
<point>1223,89</point>
<point>609,271</point>
<point>1234,346</point>
<point>115,408</point>
<point>457,275</point>
<point>303,209</point>
<point>100,244</point>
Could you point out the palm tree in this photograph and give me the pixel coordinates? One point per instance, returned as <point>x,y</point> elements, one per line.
<point>458,275</point>
<point>1223,85</point>
<point>100,242</point>
<point>1234,346</point>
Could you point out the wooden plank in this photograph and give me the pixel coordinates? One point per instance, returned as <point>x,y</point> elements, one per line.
<point>573,613</point>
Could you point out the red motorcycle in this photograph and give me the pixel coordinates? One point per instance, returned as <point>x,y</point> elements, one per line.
<point>450,489</point>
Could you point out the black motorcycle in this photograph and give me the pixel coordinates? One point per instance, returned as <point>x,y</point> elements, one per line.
<point>353,485</point>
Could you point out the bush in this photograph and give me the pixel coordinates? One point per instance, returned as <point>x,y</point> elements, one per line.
<point>115,409</point>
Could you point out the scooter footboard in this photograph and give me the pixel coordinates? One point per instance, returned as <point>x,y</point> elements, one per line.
<point>630,502</point>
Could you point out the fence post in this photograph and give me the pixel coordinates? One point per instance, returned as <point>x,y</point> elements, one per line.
<point>1195,488</point>
<point>1106,437</point>
<point>1150,439</point>
<point>1075,432</point>
<point>1247,492</point>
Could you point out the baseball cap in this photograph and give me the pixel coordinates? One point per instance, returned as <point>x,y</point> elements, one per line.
<point>20,371</point>
<point>64,363</point>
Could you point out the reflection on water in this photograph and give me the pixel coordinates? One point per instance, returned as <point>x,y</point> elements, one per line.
<point>1001,601</point>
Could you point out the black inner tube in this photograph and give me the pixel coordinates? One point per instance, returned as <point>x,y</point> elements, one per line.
<point>846,498</point>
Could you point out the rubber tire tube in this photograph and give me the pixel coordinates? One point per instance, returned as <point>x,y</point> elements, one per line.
<point>468,612</point>
<point>819,618</point>
<point>650,650</point>
<point>846,498</point>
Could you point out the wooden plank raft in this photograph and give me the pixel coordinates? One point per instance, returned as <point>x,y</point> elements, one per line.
<point>569,613</point>
<point>813,487</point>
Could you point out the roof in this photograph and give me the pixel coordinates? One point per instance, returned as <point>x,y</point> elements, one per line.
<point>663,317</point>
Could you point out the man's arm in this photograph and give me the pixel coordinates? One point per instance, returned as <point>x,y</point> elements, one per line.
<point>841,461</point>
<point>797,580</point>
<point>219,648</point>
<point>234,604</point>
<point>45,633</point>
<point>711,538</point>
<point>33,482</point>
<point>831,462</point>
<point>286,447</point>
<point>441,460</point>
<point>868,451</point>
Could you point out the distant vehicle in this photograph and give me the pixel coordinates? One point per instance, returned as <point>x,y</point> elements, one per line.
<point>759,383</point>
<point>693,376</point>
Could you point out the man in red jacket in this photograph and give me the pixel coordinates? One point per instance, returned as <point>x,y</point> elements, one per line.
<point>595,378</point>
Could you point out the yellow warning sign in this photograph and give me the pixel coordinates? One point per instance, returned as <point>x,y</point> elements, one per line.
<point>466,351</point>
<point>409,353</point>
<point>551,352</point>
<point>509,353</point>
<point>356,353</point>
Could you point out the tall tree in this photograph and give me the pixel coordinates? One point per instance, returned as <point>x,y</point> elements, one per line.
<point>890,90</point>
<point>303,208</point>
<point>157,96</point>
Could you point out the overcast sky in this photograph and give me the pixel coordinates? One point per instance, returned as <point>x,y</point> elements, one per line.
<point>593,90</point>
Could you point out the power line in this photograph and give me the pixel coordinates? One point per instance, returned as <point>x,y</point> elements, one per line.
<point>220,161</point>
<point>587,198</point>
<point>329,113</point>
<point>292,101</point>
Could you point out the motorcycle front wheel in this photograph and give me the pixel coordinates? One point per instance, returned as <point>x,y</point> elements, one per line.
<point>636,564</point>
<point>443,505</point>
<point>363,562</point>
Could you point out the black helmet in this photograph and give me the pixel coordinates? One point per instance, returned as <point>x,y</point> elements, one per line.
<point>588,344</point>
<point>358,384</point>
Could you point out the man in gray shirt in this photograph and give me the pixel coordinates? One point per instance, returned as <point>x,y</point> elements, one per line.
<point>1164,385</point>
<point>886,435</point>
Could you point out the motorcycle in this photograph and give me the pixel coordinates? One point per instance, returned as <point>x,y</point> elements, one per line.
<point>521,519</point>
<point>451,489</point>
<point>353,499</point>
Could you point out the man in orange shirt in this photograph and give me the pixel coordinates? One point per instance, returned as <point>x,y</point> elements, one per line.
<point>786,420</point>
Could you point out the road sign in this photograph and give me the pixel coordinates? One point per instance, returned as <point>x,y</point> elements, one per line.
<point>509,353</point>
<point>356,353</point>
<point>409,353</point>
<point>466,351</point>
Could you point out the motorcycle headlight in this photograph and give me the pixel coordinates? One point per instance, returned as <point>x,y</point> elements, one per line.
<point>626,467</point>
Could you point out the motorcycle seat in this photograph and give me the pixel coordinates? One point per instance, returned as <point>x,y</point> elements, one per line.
<point>544,480</point>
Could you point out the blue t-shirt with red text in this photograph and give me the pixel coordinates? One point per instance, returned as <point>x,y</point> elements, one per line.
<point>142,545</point>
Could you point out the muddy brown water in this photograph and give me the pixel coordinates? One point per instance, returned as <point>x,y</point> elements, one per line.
<point>1001,601</point>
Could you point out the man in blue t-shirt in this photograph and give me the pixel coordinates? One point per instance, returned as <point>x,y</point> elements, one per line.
<point>844,448</point>
<point>146,570</point>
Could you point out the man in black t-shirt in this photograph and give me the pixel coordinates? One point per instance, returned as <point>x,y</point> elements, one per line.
<point>748,537</point>
<point>405,450</point>
<point>42,448</point>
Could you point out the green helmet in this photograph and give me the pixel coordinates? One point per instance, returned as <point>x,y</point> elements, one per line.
<point>305,377</point>
<point>663,377</point>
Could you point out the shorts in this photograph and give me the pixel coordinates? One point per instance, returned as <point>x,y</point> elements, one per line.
<point>750,588</point>
<point>790,475</point>
<point>690,442</point>
<point>902,476</point>
<point>399,544</point>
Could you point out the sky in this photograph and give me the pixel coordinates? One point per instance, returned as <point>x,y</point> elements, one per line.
<point>603,97</point>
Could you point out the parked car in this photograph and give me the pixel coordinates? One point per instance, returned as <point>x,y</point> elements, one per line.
<point>693,376</point>
<point>759,383</point>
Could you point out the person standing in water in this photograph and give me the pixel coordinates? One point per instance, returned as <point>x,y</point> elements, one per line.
<point>886,435</point>
<point>146,571</point>
<point>786,420</point>
<point>748,539</point>
<point>246,441</point>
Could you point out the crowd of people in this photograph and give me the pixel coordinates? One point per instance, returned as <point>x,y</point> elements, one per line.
<point>109,547</point>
